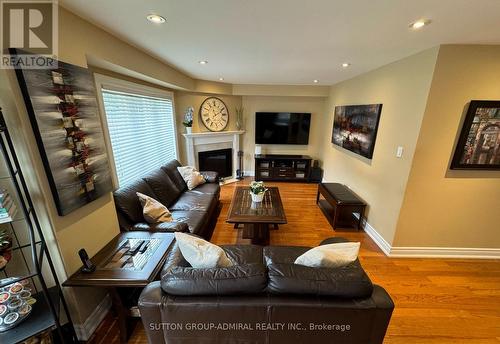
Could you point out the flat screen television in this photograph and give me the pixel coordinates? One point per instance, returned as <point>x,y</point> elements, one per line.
<point>285,128</point>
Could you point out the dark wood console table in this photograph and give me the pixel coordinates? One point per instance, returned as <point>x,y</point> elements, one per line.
<point>119,267</point>
<point>282,167</point>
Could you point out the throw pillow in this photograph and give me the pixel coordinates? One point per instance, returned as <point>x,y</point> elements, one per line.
<point>330,256</point>
<point>191,176</point>
<point>153,211</point>
<point>200,253</point>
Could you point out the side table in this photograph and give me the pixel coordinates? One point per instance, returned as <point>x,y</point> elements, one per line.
<point>129,260</point>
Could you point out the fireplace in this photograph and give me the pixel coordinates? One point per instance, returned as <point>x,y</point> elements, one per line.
<point>210,141</point>
<point>220,161</point>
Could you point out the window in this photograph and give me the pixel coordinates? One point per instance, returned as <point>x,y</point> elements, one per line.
<point>141,127</point>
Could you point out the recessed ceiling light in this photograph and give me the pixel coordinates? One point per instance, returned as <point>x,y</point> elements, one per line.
<point>315,81</point>
<point>345,65</point>
<point>155,18</point>
<point>221,79</point>
<point>203,62</point>
<point>419,24</point>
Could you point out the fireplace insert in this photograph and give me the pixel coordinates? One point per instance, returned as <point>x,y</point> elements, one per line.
<point>220,161</point>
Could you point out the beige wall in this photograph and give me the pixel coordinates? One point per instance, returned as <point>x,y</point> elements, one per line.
<point>402,87</point>
<point>183,100</point>
<point>253,104</point>
<point>444,208</point>
<point>213,87</point>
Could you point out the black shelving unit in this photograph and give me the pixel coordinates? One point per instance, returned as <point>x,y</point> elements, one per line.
<point>51,309</point>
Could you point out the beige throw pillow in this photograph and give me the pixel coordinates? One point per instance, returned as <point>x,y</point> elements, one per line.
<point>153,211</point>
<point>191,176</point>
<point>200,253</point>
<point>330,256</point>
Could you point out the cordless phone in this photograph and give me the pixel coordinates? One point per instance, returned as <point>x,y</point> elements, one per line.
<point>88,266</point>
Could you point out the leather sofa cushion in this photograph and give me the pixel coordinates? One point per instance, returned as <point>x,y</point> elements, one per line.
<point>193,201</point>
<point>161,227</point>
<point>207,188</point>
<point>348,281</point>
<point>163,187</point>
<point>285,277</point>
<point>233,280</point>
<point>244,254</point>
<point>174,259</point>
<point>195,220</point>
<point>283,254</point>
<point>127,202</point>
<point>248,276</point>
<point>171,170</point>
<point>239,254</point>
<point>210,176</point>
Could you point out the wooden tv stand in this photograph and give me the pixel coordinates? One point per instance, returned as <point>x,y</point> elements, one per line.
<point>276,167</point>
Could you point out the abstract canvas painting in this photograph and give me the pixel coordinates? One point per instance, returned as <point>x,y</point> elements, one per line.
<point>478,146</point>
<point>355,128</point>
<point>65,119</point>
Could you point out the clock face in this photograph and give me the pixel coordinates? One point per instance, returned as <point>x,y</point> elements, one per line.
<point>214,114</point>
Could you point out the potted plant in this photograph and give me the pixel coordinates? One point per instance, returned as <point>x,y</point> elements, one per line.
<point>257,190</point>
<point>188,119</point>
<point>5,248</point>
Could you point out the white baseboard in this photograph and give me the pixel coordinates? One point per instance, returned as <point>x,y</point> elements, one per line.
<point>379,240</point>
<point>85,330</point>
<point>429,252</point>
<point>445,252</point>
<point>249,173</point>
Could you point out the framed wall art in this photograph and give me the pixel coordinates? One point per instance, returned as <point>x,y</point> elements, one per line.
<point>478,145</point>
<point>355,128</point>
<point>64,115</point>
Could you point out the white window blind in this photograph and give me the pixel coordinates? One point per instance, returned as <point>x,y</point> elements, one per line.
<point>142,133</point>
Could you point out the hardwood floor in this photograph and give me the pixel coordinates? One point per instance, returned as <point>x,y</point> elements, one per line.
<point>437,300</point>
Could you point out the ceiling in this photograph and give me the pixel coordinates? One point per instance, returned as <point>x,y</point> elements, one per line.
<point>290,41</point>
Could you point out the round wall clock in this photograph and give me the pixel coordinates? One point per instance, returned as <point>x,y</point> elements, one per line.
<point>214,114</point>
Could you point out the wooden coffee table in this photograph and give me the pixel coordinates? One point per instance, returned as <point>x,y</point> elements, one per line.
<point>118,270</point>
<point>256,217</point>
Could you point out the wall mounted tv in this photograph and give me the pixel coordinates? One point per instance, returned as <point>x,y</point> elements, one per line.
<point>285,128</point>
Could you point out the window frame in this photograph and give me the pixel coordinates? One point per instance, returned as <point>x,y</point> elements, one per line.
<point>120,85</point>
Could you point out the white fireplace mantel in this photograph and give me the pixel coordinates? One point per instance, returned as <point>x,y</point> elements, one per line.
<point>207,141</point>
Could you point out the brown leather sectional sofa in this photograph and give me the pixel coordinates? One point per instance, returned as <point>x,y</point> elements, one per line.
<point>193,211</point>
<point>264,298</point>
